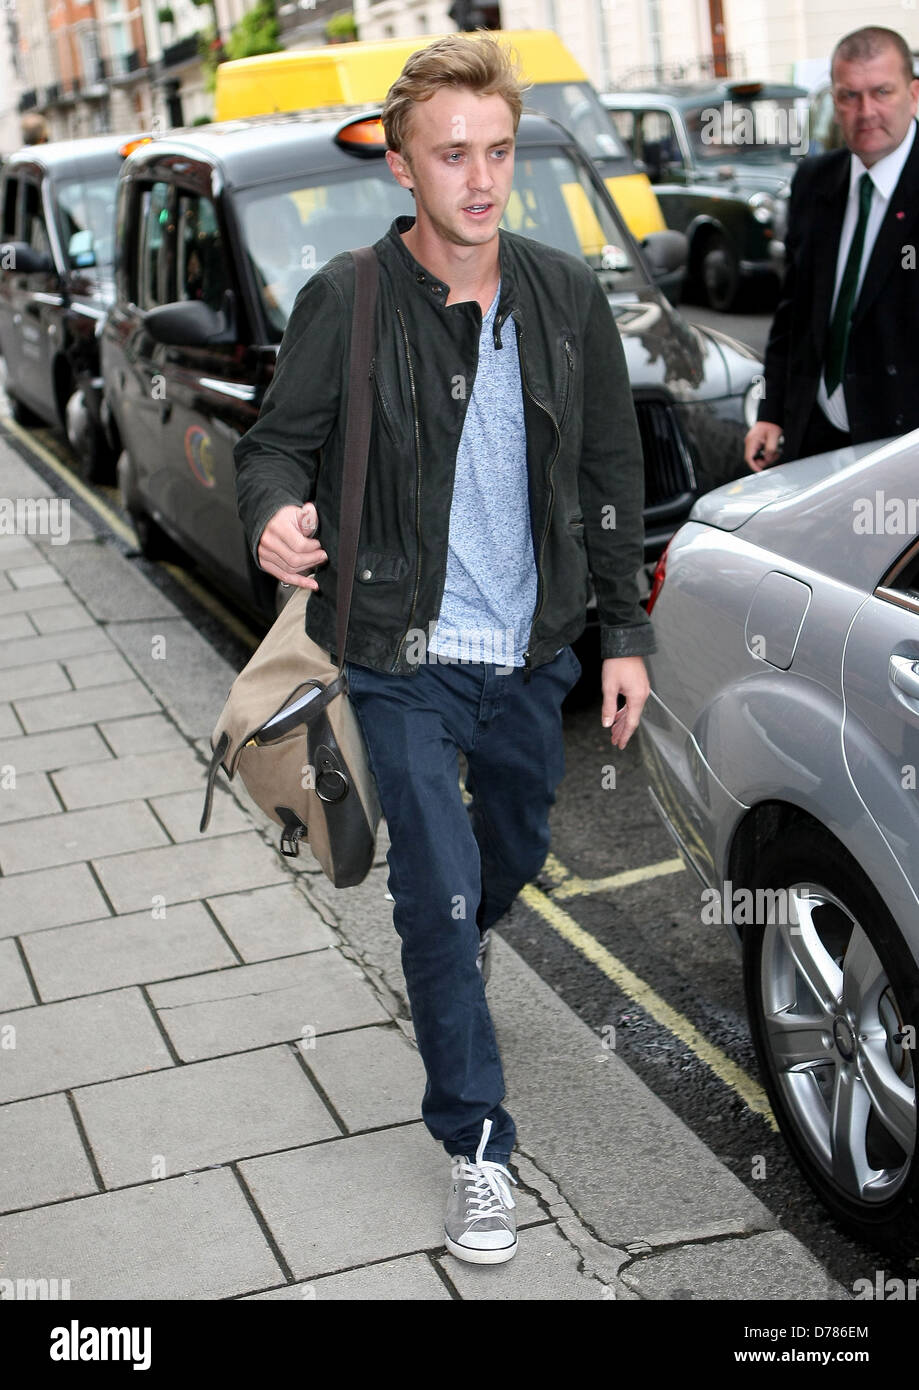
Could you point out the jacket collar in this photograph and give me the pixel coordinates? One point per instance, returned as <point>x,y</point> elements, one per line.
<point>436,291</point>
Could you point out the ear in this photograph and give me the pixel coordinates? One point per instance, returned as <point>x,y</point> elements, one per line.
<point>400,169</point>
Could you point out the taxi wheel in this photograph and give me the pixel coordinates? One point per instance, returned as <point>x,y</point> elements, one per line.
<point>720,273</point>
<point>833,999</point>
<point>91,449</point>
<point>152,542</point>
<point>22,414</point>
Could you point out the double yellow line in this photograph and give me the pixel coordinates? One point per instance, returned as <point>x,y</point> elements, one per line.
<point>545,905</point>
<point>566,885</point>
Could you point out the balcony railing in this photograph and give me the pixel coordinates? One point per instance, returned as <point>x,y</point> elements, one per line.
<point>182,52</point>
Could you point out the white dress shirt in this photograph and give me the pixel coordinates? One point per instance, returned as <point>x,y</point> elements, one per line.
<point>885,175</point>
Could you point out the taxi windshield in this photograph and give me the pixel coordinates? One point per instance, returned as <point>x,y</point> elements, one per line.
<point>87,212</point>
<point>292,229</point>
<point>576,106</point>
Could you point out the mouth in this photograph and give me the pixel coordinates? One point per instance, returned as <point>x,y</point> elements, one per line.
<point>478,209</point>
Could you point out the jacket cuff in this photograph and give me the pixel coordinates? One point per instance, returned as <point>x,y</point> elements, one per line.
<point>636,640</point>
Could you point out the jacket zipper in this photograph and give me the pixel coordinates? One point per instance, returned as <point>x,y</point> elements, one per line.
<point>542,544</point>
<point>411,378</point>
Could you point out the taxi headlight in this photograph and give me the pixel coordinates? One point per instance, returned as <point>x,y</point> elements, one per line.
<point>762,206</point>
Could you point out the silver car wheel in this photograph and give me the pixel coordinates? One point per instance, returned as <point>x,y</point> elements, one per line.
<point>836,1034</point>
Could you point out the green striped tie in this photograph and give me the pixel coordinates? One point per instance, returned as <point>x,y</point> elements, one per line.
<point>842,315</point>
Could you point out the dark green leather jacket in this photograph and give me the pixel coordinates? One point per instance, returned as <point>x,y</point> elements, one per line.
<point>586,481</point>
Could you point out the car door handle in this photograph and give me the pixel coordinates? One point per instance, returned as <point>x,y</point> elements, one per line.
<point>904,674</point>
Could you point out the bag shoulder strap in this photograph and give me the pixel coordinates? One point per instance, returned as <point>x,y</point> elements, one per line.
<point>357,434</point>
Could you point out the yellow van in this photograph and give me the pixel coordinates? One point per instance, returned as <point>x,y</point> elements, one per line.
<point>360,74</point>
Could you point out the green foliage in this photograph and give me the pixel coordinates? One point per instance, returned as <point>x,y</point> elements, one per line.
<point>256,32</point>
<point>165,15</point>
<point>342,26</point>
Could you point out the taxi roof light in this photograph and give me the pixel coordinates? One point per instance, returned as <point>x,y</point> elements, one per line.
<point>129,145</point>
<point>363,136</point>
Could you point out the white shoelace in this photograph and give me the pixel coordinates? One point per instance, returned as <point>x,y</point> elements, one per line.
<point>489,1181</point>
<point>490,1192</point>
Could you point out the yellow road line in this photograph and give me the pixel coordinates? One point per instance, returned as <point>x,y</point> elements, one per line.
<point>72,481</point>
<point>237,626</point>
<point>753,1096</point>
<point>574,887</point>
<point>207,600</point>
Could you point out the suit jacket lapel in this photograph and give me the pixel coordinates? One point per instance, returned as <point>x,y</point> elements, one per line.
<point>893,233</point>
<point>829,210</point>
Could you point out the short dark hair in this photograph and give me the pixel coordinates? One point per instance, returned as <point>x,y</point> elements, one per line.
<point>863,44</point>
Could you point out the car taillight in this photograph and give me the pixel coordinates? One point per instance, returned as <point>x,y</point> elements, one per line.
<point>660,574</point>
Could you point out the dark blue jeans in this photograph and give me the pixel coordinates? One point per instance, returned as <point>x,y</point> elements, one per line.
<point>454,871</point>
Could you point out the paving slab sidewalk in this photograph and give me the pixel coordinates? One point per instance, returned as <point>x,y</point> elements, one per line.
<point>209,1087</point>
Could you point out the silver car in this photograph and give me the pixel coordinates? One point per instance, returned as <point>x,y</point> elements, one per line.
<point>782,744</point>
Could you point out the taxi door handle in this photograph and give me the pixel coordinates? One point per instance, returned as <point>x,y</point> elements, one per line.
<point>904,674</point>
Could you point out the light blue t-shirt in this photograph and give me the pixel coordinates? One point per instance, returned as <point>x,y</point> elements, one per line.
<point>491,583</point>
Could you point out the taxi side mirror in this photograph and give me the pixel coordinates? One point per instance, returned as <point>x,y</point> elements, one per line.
<point>667,254</point>
<point>192,323</point>
<point>665,251</point>
<point>19,258</point>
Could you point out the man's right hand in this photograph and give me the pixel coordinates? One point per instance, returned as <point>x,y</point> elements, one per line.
<point>286,548</point>
<point>762,436</point>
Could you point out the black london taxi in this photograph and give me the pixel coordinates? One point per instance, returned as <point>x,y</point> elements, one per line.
<point>721,157</point>
<point>219,226</point>
<point>57,229</point>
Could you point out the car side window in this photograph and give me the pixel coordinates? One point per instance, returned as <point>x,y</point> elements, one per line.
<point>901,583</point>
<point>624,121</point>
<point>153,247</point>
<point>659,143</point>
<point>8,231</point>
<point>201,267</point>
<point>34,228</point>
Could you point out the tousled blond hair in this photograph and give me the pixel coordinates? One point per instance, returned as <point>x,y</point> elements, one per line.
<point>480,64</point>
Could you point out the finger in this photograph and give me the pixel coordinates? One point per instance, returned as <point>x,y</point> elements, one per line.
<point>289,577</point>
<point>623,730</point>
<point>609,714</point>
<point>294,558</point>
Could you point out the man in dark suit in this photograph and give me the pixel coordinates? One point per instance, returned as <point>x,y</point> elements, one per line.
<point>842,361</point>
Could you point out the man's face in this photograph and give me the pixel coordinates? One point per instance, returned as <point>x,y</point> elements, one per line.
<point>461,151</point>
<point>874,104</point>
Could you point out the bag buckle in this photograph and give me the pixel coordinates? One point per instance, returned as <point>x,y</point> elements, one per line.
<point>293,832</point>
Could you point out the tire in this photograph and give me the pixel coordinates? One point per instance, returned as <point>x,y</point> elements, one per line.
<point>91,450</point>
<point>719,273</point>
<point>856,1058</point>
<point>22,414</point>
<point>152,541</point>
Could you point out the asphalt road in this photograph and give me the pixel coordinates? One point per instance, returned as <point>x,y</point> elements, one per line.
<point>661,986</point>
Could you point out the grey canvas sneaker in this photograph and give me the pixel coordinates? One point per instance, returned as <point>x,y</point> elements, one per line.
<point>483,958</point>
<point>480,1225</point>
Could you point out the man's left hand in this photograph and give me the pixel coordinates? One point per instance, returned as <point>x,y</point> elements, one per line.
<point>623,675</point>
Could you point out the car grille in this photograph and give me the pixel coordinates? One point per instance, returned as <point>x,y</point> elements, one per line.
<point>669,477</point>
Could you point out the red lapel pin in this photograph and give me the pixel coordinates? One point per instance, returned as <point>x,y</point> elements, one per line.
<point>900,216</point>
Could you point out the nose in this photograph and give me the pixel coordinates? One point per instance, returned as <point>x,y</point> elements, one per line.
<point>479,174</point>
